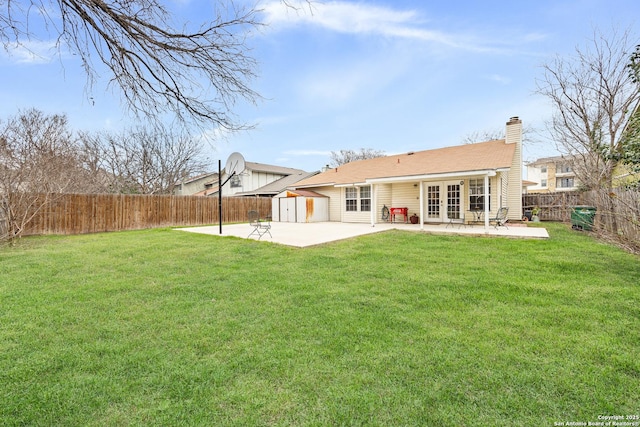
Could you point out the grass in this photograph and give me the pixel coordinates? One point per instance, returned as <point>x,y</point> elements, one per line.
<point>162,327</point>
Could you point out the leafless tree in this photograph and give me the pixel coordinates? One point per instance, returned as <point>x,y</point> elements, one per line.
<point>346,156</point>
<point>194,72</point>
<point>39,159</point>
<point>593,95</point>
<point>144,160</point>
<point>483,136</point>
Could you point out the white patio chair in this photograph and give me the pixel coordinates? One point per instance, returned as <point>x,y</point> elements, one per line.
<point>260,226</point>
<point>500,219</point>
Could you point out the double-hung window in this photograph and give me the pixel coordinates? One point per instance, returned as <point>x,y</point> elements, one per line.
<point>476,194</point>
<point>358,199</point>
<point>365,199</point>
<point>351,196</point>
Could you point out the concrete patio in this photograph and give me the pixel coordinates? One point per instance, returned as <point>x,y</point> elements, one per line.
<point>315,233</point>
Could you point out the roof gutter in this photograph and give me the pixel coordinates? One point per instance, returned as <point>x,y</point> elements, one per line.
<point>323,184</point>
<point>435,176</point>
<point>353,184</point>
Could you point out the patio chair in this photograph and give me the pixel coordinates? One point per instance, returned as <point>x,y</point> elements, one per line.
<point>500,219</point>
<point>260,226</point>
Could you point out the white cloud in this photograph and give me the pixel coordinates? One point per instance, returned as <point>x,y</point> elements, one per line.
<point>33,52</point>
<point>500,79</point>
<point>358,18</point>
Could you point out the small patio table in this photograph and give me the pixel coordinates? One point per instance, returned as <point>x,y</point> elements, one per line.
<point>476,216</point>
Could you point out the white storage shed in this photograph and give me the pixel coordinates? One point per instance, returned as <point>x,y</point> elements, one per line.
<point>300,206</point>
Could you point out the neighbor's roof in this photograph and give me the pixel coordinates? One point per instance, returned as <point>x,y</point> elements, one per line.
<point>201,176</point>
<point>280,170</point>
<point>547,160</point>
<point>490,155</point>
<point>277,186</point>
<point>207,192</point>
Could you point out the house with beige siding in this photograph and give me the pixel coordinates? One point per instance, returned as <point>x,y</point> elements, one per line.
<point>446,185</point>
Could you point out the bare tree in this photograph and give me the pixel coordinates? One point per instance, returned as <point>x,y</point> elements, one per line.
<point>39,159</point>
<point>483,136</point>
<point>346,156</point>
<point>593,95</point>
<point>143,160</point>
<point>194,72</point>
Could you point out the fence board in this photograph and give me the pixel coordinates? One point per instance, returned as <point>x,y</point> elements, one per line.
<point>617,214</point>
<point>91,213</point>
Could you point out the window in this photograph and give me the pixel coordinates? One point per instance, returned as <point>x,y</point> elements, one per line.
<point>543,169</point>
<point>351,196</point>
<point>565,168</point>
<point>353,201</point>
<point>476,194</point>
<point>565,182</point>
<point>365,199</point>
<point>543,183</point>
<point>236,181</point>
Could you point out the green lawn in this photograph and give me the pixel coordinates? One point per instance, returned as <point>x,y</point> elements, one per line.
<point>163,327</point>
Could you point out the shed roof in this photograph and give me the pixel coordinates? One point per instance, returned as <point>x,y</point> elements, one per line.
<point>302,193</point>
<point>490,155</point>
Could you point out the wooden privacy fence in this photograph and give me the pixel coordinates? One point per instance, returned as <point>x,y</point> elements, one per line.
<point>553,206</point>
<point>617,210</point>
<point>92,213</point>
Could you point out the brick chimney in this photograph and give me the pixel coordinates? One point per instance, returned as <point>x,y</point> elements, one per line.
<point>513,135</point>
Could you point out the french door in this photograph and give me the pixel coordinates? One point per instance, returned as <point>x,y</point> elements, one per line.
<point>443,202</point>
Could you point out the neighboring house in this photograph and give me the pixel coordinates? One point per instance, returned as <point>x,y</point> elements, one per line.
<point>197,184</point>
<point>258,179</point>
<point>441,185</point>
<point>551,174</point>
<point>278,186</point>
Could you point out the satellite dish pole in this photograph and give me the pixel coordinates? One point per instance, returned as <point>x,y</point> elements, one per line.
<point>235,166</point>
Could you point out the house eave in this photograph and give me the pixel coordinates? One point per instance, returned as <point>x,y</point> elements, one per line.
<point>434,176</point>
<point>325,184</point>
<point>351,184</point>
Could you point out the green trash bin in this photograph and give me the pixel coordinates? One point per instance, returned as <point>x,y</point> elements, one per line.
<point>582,217</point>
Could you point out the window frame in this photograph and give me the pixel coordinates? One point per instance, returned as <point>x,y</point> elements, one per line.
<point>476,194</point>
<point>351,199</point>
<point>365,202</point>
<point>358,199</point>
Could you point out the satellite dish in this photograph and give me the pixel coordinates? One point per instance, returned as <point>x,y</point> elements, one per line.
<point>235,164</point>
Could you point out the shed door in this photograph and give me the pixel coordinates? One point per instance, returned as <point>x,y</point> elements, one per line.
<point>288,209</point>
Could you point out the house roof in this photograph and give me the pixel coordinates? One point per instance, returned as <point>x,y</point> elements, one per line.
<point>490,155</point>
<point>547,160</point>
<point>278,186</point>
<point>207,192</point>
<point>197,177</point>
<point>280,170</point>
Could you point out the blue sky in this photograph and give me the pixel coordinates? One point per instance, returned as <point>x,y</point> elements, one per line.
<point>396,76</point>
